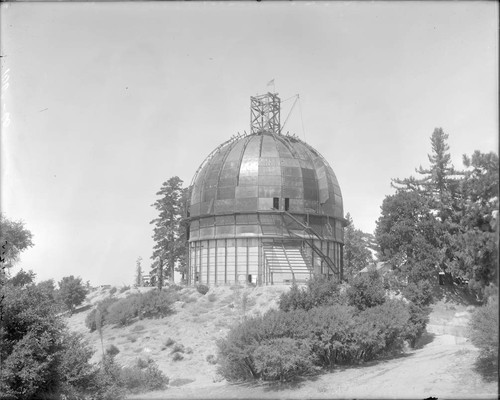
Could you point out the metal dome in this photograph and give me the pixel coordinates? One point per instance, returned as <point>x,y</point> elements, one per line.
<point>264,207</point>
<point>247,174</point>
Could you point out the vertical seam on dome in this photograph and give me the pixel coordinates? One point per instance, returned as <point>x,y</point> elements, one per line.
<point>308,152</point>
<point>241,160</point>
<point>260,147</point>
<point>220,171</point>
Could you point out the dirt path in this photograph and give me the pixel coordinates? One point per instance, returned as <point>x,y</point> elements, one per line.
<point>442,368</point>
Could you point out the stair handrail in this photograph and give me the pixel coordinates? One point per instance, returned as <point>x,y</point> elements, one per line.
<point>328,260</point>
<point>288,261</point>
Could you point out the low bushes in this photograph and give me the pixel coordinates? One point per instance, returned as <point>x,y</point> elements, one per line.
<point>97,317</point>
<point>144,376</point>
<point>483,332</point>
<point>282,359</point>
<point>319,292</point>
<point>366,290</point>
<point>116,381</point>
<point>282,345</point>
<point>152,304</point>
<point>203,289</point>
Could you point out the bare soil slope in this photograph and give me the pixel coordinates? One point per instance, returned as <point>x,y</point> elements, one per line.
<point>442,366</point>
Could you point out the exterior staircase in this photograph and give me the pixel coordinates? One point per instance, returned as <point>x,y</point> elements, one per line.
<point>286,263</point>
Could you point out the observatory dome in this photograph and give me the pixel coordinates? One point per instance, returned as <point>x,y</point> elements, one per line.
<point>264,208</point>
<point>248,174</point>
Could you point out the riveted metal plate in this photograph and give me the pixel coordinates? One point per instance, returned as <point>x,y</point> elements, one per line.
<point>246,191</point>
<point>269,180</point>
<point>224,206</point>
<point>269,191</point>
<point>248,204</point>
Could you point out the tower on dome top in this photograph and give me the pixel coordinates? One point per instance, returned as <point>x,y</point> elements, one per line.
<point>265,113</point>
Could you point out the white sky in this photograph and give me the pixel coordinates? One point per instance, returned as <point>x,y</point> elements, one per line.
<point>102,103</point>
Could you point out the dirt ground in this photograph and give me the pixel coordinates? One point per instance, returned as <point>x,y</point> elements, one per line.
<point>442,366</point>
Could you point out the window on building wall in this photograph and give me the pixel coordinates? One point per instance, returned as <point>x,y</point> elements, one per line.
<point>276,203</point>
<point>287,204</point>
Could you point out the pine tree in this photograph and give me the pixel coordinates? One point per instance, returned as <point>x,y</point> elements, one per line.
<point>440,182</point>
<point>356,253</point>
<point>170,242</point>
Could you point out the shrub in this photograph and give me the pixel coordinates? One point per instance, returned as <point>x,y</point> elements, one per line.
<point>122,312</point>
<point>40,358</point>
<point>319,292</point>
<point>99,314</point>
<point>366,290</point>
<point>124,289</point>
<point>483,331</point>
<point>211,359</point>
<point>203,289</point>
<point>381,330</point>
<point>324,336</point>
<point>112,290</point>
<point>283,359</point>
<point>144,376</point>
<point>419,317</point>
<point>156,304</point>
<point>177,357</point>
<point>178,348</point>
<point>153,304</point>
<point>112,350</point>
<point>419,293</point>
<point>169,342</point>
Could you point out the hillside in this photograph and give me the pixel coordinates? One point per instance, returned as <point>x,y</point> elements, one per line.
<point>441,366</point>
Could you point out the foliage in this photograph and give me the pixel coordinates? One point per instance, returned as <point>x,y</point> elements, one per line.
<point>282,359</point>
<point>144,376</point>
<point>98,316</point>
<point>177,356</point>
<point>124,288</point>
<point>319,291</point>
<point>113,290</point>
<point>169,233</point>
<point>72,292</point>
<point>321,337</point>
<point>152,304</point>
<point>356,253</point>
<point>178,348</point>
<point>475,247</point>
<point>483,330</point>
<point>203,289</point>
<point>449,222</point>
<point>112,350</point>
<point>23,278</point>
<point>366,290</point>
<point>40,358</point>
<point>14,239</point>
